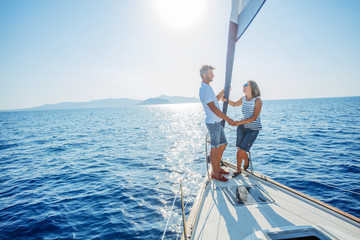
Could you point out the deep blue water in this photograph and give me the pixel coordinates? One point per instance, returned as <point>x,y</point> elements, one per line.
<point>114,173</point>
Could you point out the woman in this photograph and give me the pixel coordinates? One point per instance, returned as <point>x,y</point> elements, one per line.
<point>250,124</point>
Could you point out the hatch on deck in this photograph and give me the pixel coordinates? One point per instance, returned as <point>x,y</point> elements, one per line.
<point>296,233</point>
<point>240,195</point>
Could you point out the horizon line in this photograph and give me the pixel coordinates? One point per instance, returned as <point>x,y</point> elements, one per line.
<point>265,99</point>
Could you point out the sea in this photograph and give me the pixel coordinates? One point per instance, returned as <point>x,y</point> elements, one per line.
<point>115,173</point>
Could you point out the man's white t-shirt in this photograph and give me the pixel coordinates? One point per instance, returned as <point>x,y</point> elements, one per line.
<point>207,95</point>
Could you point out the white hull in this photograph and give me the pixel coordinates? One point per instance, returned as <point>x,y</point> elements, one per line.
<point>279,211</point>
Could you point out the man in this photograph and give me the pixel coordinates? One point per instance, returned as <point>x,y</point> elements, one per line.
<point>214,116</point>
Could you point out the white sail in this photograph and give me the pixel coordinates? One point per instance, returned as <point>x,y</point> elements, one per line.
<point>243,12</point>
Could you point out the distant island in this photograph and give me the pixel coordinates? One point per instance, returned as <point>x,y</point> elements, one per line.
<point>155,101</point>
<point>113,103</point>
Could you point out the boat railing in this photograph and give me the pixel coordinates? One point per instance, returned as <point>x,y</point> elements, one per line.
<point>178,192</point>
<point>307,179</point>
<point>184,207</point>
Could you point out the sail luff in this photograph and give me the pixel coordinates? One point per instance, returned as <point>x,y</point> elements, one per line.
<point>242,14</point>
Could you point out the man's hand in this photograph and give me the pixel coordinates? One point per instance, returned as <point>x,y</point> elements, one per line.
<point>237,123</point>
<point>220,95</point>
<point>231,122</point>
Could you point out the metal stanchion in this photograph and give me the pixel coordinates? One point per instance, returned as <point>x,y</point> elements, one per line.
<point>183,210</point>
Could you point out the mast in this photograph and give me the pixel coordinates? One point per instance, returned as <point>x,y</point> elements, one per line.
<point>229,62</point>
<point>242,14</point>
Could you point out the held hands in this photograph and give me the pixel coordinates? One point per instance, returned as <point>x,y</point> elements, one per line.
<point>231,122</point>
<point>234,123</point>
<point>237,123</point>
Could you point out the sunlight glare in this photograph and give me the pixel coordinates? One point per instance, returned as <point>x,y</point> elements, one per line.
<point>180,14</point>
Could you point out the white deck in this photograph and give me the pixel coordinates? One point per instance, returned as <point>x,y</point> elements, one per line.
<point>218,218</point>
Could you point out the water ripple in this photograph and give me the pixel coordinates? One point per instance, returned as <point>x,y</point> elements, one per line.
<point>113,173</point>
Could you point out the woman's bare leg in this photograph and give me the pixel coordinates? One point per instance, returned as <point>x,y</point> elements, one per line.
<point>238,159</point>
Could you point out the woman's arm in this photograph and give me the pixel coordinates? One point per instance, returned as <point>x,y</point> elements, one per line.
<point>233,104</point>
<point>257,110</point>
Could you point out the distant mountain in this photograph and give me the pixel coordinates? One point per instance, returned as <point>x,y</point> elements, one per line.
<point>178,99</point>
<point>155,101</point>
<point>103,103</point>
<point>163,99</point>
<point>113,103</point>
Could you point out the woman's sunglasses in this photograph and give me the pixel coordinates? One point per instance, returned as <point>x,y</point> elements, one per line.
<point>246,84</point>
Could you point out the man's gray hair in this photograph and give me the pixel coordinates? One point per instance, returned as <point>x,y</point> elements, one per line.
<point>204,69</point>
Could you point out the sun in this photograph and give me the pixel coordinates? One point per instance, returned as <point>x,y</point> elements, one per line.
<point>180,15</point>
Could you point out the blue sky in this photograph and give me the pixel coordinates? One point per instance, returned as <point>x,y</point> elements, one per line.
<point>67,51</point>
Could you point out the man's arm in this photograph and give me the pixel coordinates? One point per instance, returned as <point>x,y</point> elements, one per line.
<point>220,114</point>
<point>220,95</point>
